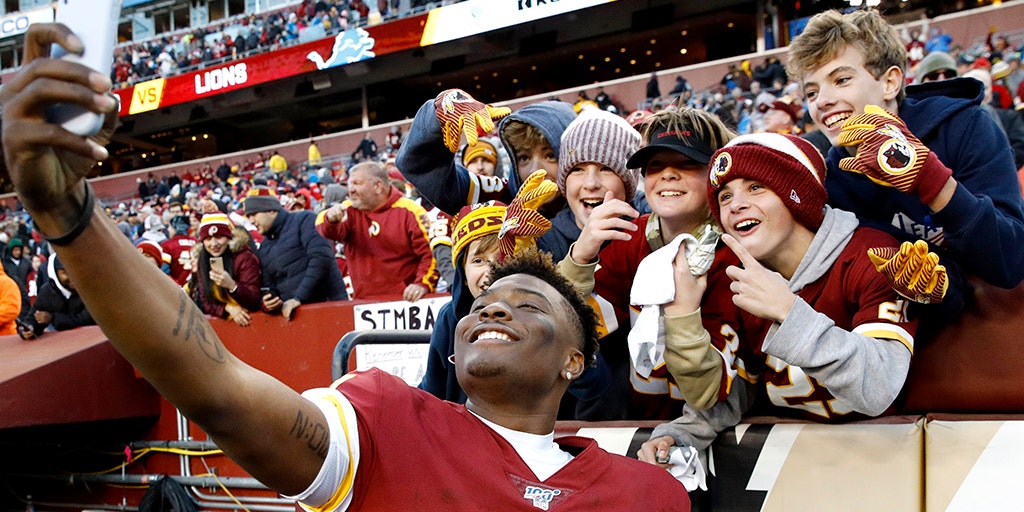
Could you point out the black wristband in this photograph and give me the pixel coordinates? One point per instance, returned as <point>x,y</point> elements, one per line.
<point>83,220</point>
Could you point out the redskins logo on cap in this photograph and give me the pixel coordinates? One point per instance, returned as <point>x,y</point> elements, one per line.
<point>719,168</point>
<point>213,230</point>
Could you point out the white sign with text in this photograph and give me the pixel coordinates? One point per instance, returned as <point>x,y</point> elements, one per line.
<point>407,361</point>
<point>418,316</point>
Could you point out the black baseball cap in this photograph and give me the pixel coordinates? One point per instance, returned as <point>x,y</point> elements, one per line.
<point>684,141</point>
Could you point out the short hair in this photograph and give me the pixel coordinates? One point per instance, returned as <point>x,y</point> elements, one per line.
<point>373,170</point>
<point>483,244</point>
<point>520,136</point>
<point>706,125</point>
<point>539,264</point>
<point>828,33</point>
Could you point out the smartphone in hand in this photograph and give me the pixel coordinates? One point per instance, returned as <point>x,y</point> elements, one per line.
<point>95,23</point>
<point>217,262</point>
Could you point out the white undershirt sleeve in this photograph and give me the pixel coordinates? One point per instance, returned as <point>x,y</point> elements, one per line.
<point>332,489</point>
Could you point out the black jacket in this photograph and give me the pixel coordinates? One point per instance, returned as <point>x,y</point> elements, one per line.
<point>68,312</point>
<point>298,263</point>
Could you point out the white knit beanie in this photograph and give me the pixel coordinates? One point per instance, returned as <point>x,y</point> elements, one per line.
<point>603,138</point>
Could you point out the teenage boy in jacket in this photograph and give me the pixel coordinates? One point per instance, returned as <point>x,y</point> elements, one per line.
<point>828,336</point>
<point>931,167</point>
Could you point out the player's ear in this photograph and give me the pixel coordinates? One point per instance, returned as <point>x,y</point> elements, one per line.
<point>575,364</point>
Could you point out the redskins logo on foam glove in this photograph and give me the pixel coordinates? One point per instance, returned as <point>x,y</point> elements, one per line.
<point>460,114</point>
<point>523,223</point>
<point>914,272</point>
<point>890,155</point>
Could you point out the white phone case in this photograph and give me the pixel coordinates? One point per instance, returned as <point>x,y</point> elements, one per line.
<point>95,23</point>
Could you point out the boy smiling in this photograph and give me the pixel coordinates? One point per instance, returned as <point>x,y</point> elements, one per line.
<point>834,340</point>
<point>836,325</point>
<point>697,326</point>
<point>954,186</point>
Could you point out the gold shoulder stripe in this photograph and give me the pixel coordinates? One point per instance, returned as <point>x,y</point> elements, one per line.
<point>884,331</point>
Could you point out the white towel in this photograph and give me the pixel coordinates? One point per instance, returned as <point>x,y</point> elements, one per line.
<point>685,466</point>
<point>653,286</point>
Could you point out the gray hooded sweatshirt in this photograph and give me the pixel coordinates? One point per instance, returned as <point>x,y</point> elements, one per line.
<point>862,373</point>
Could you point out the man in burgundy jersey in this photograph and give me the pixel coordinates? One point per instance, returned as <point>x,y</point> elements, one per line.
<point>179,249</point>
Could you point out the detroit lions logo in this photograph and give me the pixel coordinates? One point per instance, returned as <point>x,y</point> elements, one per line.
<point>349,46</point>
<point>720,168</point>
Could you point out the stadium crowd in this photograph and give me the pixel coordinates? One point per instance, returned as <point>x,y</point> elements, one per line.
<point>173,53</point>
<point>774,243</point>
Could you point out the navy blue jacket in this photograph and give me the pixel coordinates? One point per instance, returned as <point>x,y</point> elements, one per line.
<point>982,227</point>
<point>67,312</point>
<point>562,234</point>
<point>299,263</point>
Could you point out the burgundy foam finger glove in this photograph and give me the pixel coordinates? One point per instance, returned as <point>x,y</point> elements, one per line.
<point>523,224</point>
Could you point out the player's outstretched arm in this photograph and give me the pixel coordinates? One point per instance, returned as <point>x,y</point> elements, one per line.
<point>261,423</point>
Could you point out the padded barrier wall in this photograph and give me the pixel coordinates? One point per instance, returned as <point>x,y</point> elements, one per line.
<point>934,463</point>
<point>775,466</point>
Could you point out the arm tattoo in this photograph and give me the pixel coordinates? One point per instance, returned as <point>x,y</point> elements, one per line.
<point>197,326</point>
<point>314,433</point>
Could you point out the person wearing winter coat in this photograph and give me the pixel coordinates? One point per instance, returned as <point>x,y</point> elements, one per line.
<point>226,280</point>
<point>10,303</point>
<point>58,304</point>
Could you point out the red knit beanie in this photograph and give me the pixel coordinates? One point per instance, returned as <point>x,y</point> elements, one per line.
<point>788,165</point>
<point>214,224</point>
<point>152,249</point>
